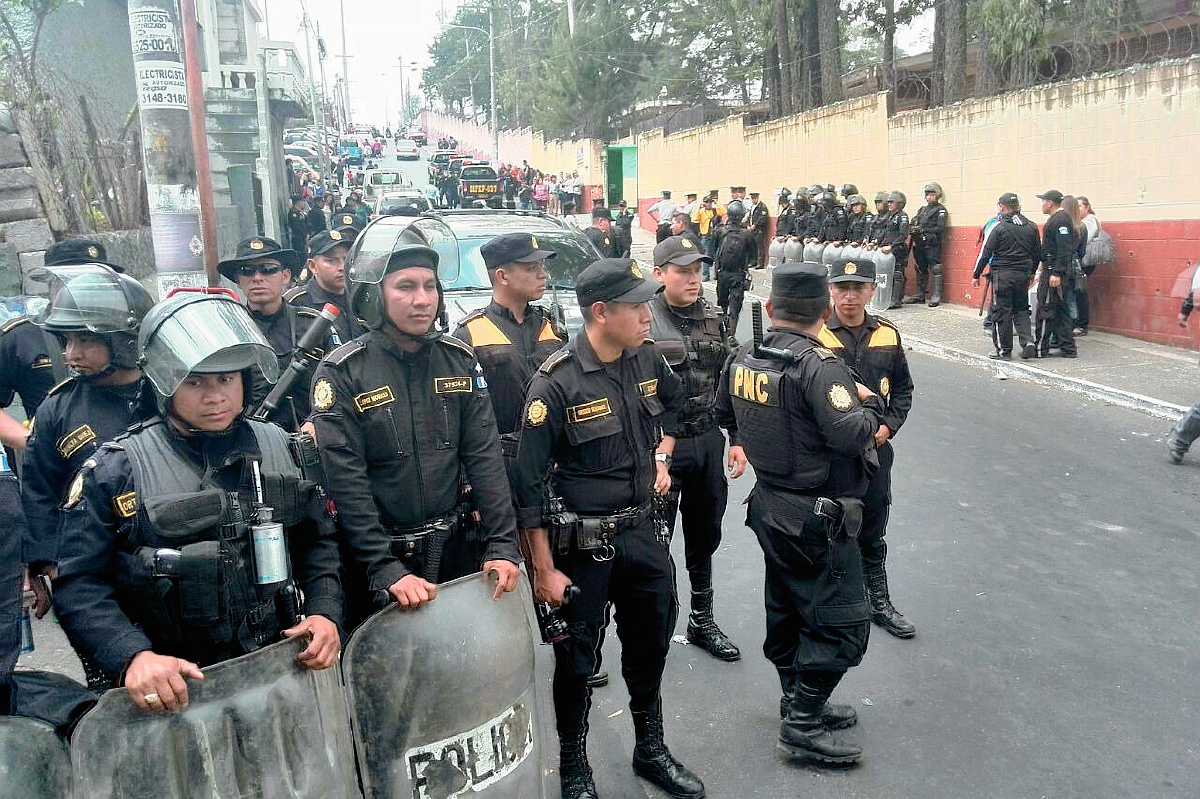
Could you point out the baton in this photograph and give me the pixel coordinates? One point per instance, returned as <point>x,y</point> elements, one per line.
<point>987,286</point>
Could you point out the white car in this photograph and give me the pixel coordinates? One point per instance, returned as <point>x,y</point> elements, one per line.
<point>407,148</point>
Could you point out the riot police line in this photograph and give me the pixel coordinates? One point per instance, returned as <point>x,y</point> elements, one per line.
<point>826,254</point>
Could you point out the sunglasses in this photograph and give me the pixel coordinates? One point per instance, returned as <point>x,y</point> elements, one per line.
<point>266,269</point>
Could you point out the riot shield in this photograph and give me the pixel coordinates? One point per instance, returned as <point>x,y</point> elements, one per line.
<point>793,250</point>
<point>885,278</point>
<point>775,253</point>
<point>256,726</point>
<point>812,252</point>
<point>830,254</point>
<point>34,763</point>
<point>444,700</point>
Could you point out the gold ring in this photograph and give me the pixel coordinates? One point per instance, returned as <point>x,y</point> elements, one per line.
<point>151,699</point>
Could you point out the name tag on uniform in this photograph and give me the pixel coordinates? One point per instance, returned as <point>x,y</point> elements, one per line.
<point>452,385</point>
<point>375,398</point>
<point>761,388</point>
<point>588,411</point>
<point>648,388</point>
<point>71,443</point>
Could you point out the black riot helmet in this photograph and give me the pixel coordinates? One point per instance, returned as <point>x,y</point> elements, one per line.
<point>881,196</point>
<point>785,194</point>
<point>829,188</point>
<point>827,200</point>
<point>94,298</point>
<point>369,265</point>
<point>202,332</point>
<point>736,211</point>
<point>856,199</point>
<point>936,188</point>
<point>848,189</point>
<point>898,198</point>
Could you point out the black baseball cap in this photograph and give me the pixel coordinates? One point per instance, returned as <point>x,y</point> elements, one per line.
<point>1054,196</point>
<point>852,270</point>
<point>602,213</point>
<point>623,204</point>
<point>78,251</point>
<point>1009,200</point>
<point>325,241</point>
<point>344,222</point>
<point>678,250</point>
<point>614,280</point>
<point>737,188</point>
<point>513,247</point>
<point>797,280</point>
<point>254,248</point>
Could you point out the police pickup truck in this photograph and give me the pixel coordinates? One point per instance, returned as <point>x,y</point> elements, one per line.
<point>479,182</point>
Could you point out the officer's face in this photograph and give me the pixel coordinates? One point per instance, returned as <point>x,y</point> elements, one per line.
<point>676,227</point>
<point>681,284</point>
<point>850,298</point>
<point>931,197</point>
<point>893,206</point>
<point>602,223</point>
<point>857,208</point>
<point>260,287</point>
<point>524,280</point>
<point>410,299</point>
<point>86,353</point>
<point>626,324</point>
<point>209,402</point>
<point>330,269</point>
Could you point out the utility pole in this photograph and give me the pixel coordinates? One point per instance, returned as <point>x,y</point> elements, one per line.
<point>174,142</point>
<point>345,61</point>
<point>492,69</point>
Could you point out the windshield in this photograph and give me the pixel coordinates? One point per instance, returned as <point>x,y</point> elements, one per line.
<point>574,255</point>
<point>385,179</point>
<point>478,173</point>
<point>406,143</point>
<point>348,143</point>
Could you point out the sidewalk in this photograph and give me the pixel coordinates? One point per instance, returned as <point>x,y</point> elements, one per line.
<point>1157,380</point>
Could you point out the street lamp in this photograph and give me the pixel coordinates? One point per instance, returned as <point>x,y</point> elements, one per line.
<point>491,34</point>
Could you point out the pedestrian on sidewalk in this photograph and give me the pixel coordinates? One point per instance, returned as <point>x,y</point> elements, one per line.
<point>1083,307</point>
<point>1055,291</point>
<point>1187,429</point>
<point>870,345</point>
<point>1012,249</point>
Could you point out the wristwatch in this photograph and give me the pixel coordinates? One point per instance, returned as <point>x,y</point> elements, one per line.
<point>663,457</point>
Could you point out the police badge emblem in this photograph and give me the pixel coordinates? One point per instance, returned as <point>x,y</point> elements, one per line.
<point>635,270</point>
<point>256,244</point>
<point>885,386</point>
<point>839,397</point>
<point>323,395</point>
<point>537,412</point>
<point>93,252</point>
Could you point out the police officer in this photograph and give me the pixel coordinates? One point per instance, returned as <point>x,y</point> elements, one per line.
<point>511,337</point>
<point>1011,251</point>
<point>834,223</point>
<point>691,335</point>
<point>600,234</point>
<point>803,209</point>
<point>816,215</point>
<point>1059,240</point>
<point>661,212</point>
<point>870,345</point>
<point>349,225</point>
<point>735,253</point>
<point>928,228</point>
<point>858,221</point>
<point>894,239</point>
<point>594,413</point>
<point>97,313</point>
<point>327,266</point>
<point>297,222</point>
<point>261,268</point>
<point>156,580</point>
<point>405,421</point>
<point>623,229</point>
<point>796,413</point>
<point>879,225</point>
<point>759,222</point>
<point>786,218</point>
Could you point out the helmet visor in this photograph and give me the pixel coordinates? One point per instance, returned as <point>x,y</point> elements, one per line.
<point>86,297</point>
<point>206,336</point>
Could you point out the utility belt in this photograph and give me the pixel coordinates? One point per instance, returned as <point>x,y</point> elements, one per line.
<point>411,542</point>
<point>569,530</point>
<point>695,427</point>
<point>842,518</point>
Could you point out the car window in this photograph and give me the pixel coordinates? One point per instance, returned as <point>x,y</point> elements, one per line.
<point>574,254</point>
<point>406,143</point>
<point>478,173</point>
<point>385,179</point>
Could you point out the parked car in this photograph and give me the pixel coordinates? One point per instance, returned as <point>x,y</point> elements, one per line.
<point>406,149</point>
<point>458,235</point>
<point>377,181</point>
<point>438,163</point>
<point>416,134</point>
<point>405,202</point>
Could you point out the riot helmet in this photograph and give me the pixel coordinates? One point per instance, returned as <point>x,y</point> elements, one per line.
<point>898,198</point>
<point>935,188</point>
<point>736,211</point>
<point>848,189</point>
<point>856,199</point>
<point>369,266</point>
<point>785,194</point>
<point>94,298</point>
<point>827,200</point>
<point>202,332</point>
<point>829,188</point>
<point>881,196</point>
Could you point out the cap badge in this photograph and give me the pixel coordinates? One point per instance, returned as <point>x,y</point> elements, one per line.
<point>686,244</point>
<point>635,270</point>
<point>256,244</point>
<point>347,219</point>
<point>533,242</point>
<point>850,269</point>
<point>335,235</point>
<point>93,252</point>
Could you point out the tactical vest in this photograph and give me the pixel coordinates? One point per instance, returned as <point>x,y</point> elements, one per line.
<point>214,595</point>
<point>696,350</point>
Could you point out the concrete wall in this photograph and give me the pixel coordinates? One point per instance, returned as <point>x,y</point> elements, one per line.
<point>1128,141</point>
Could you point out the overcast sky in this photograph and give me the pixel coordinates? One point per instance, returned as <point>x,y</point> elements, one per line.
<point>382,34</point>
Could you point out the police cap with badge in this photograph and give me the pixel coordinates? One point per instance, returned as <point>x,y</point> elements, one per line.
<point>258,248</point>
<point>344,222</point>
<point>678,250</point>
<point>511,248</point>
<point>78,251</point>
<point>852,270</point>
<point>798,281</point>
<point>614,280</point>
<point>326,240</point>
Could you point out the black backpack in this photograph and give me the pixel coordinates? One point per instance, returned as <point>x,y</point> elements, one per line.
<point>734,253</point>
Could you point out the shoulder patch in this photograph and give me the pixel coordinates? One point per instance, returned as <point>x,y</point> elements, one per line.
<point>839,397</point>
<point>304,310</point>
<point>536,413</point>
<point>322,395</point>
<point>555,360</point>
<point>457,344</point>
<point>343,353</point>
<point>294,293</point>
<point>824,353</point>
<point>14,322</point>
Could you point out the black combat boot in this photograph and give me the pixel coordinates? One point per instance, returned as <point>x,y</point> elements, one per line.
<point>803,733</point>
<point>898,282</point>
<point>939,282</point>
<point>574,773</point>
<point>882,611</point>
<point>702,629</point>
<point>652,760</point>
<point>834,717</point>
<point>919,296</point>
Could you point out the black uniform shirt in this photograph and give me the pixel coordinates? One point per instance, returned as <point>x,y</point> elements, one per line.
<point>27,363</point>
<point>510,353</point>
<point>1013,243</point>
<point>695,348</point>
<point>105,525</point>
<point>398,431</point>
<point>859,227</point>
<point>599,424</point>
<point>878,227</point>
<point>282,330</point>
<point>760,217</point>
<point>602,241</point>
<point>315,220</point>
<point>312,295</point>
<point>931,219</point>
<point>816,220</point>
<point>874,351</point>
<point>1058,244</point>
<point>76,418</point>
<point>895,234</point>
<point>785,222</point>
<point>833,227</point>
